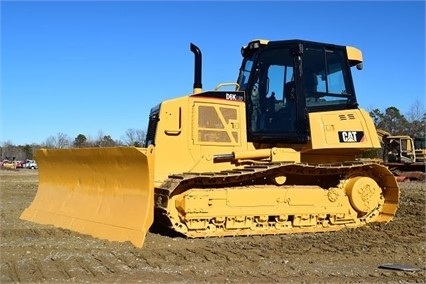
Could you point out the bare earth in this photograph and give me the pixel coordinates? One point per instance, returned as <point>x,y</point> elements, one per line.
<point>38,253</point>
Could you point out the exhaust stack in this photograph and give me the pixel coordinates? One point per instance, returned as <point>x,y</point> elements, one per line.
<point>197,69</point>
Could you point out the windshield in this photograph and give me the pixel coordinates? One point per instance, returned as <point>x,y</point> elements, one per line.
<point>326,78</point>
<point>420,143</point>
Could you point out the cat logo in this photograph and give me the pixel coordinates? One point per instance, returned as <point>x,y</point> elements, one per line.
<point>351,136</point>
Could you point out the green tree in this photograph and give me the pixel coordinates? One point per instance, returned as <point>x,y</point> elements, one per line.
<point>417,128</point>
<point>80,141</point>
<point>391,121</point>
<point>103,140</point>
<point>106,141</point>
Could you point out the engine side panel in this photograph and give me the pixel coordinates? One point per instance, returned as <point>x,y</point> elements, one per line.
<point>345,129</point>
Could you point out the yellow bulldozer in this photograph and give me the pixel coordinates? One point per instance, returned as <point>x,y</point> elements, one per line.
<point>273,153</point>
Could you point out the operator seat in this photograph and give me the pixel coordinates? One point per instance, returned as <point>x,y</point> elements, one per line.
<point>310,81</point>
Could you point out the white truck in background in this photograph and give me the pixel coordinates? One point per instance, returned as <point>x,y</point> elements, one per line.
<point>31,164</point>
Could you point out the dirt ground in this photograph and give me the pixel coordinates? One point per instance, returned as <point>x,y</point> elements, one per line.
<point>38,253</point>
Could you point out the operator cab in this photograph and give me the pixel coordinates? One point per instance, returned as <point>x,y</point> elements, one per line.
<point>285,80</point>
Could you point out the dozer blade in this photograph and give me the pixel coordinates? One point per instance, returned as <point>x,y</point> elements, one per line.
<point>104,192</point>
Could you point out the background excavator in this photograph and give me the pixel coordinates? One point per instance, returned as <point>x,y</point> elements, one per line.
<point>276,154</point>
<point>403,155</point>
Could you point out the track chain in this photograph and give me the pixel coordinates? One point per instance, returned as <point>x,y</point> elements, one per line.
<point>323,175</point>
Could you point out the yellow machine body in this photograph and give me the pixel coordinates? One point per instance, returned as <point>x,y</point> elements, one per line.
<point>214,127</point>
<point>221,199</point>
<point>216,171</point>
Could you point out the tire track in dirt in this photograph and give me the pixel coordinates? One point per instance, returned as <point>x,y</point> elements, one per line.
<point>26,270</point>
<point>222,255</point>
<point>61,268</point>
<point>203,253</point>
<point>125,260</point>
<point>105,265</point>
<point>10,270</point>
<point>102,266</point>
<point>85,265</point>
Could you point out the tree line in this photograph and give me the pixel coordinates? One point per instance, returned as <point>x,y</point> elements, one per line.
<point>390,120</point>
<point>9,151</point>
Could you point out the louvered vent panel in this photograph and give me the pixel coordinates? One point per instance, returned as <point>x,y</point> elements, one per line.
<point>349,116</point>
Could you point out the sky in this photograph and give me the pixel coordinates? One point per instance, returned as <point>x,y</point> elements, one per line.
<point>91,67</point>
